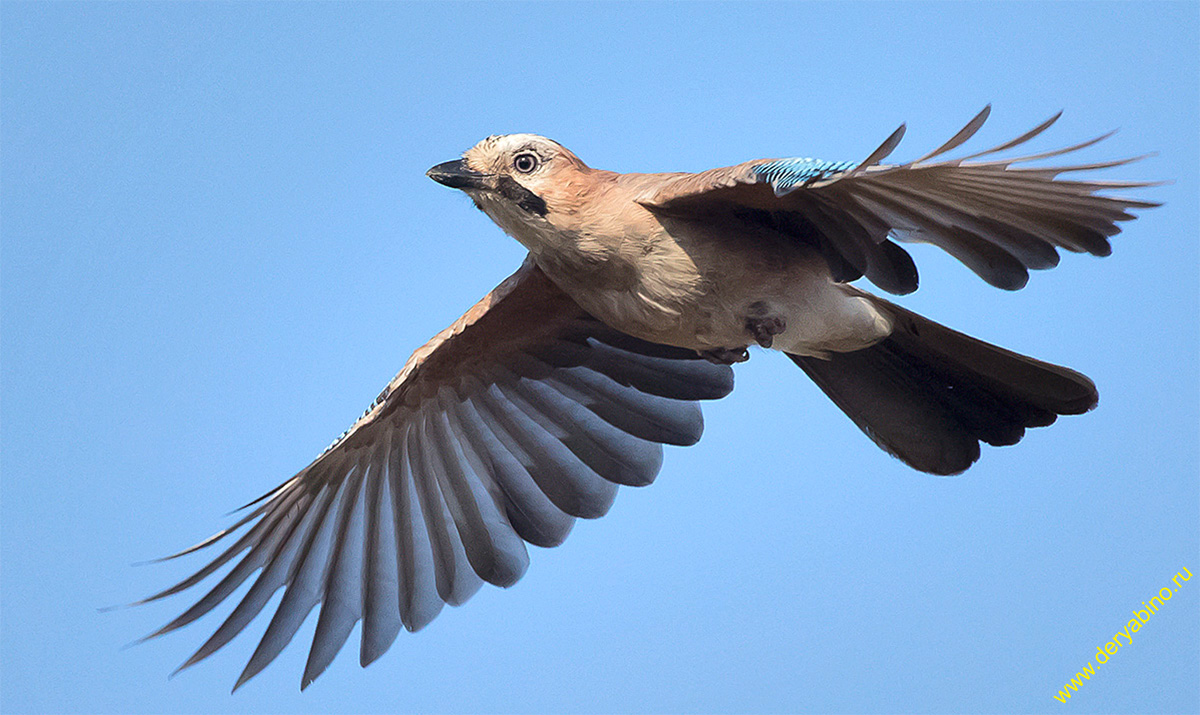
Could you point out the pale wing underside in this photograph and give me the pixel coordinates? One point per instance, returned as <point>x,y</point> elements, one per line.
<point>999,217</point>
<point>520,417</point>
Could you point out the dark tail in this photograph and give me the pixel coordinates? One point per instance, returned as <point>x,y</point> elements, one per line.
<point>929,395</point>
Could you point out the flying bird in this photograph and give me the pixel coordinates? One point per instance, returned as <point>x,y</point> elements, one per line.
<point>638,294</point>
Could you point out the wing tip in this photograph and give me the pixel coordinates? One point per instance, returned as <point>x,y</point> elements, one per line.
<point>244,678</point>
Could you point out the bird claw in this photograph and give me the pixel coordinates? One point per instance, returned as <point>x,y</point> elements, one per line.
<point>725,356</point>
<point>765,329</point>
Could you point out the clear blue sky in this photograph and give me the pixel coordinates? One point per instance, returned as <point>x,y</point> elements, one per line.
<point>219,244</point>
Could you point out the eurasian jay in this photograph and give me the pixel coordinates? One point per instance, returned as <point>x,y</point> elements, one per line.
<point>638,293</point>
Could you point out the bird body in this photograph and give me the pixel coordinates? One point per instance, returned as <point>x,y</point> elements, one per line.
<point>683,281</point>
<point>638,293</point>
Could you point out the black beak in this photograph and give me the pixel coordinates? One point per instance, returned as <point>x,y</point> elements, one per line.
<point>456,175</point>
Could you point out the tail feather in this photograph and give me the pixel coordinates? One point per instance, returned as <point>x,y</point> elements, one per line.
<point>929,395</point>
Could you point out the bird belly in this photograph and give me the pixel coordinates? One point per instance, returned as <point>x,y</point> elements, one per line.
<point>818,316</point>
<point>696,285</point>
<point>708,309</point>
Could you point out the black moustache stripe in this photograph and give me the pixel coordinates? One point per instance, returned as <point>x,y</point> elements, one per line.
<point>521,196</point>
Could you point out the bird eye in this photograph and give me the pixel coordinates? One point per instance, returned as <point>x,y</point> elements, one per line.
<point>525,163</point>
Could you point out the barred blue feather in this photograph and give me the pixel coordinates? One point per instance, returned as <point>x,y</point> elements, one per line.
<point>788,174</point>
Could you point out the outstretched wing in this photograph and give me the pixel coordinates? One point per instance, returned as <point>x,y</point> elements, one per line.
<point>524,414</point>
<point>999,217</point>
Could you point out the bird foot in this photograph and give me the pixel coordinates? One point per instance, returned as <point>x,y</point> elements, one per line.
<point>725,356</point>
<point>764,329</point>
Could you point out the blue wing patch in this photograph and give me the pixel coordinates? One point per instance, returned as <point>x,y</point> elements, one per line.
<point>788,174</point>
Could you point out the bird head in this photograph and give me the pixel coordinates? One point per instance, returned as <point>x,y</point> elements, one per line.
<point>518,180</point>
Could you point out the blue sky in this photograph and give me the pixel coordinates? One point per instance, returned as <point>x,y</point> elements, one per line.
<point>219,244</point>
